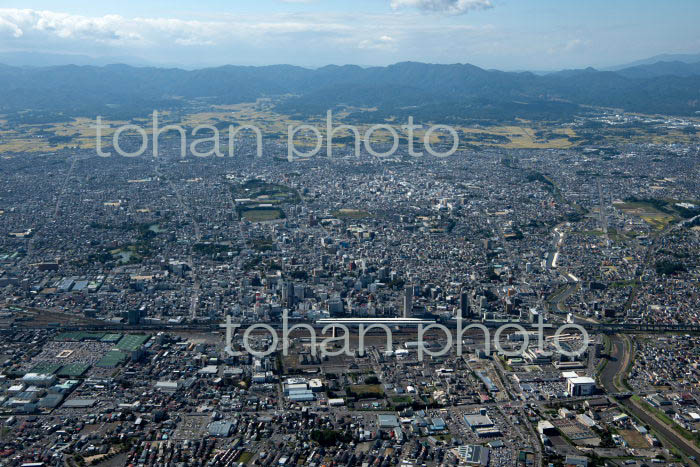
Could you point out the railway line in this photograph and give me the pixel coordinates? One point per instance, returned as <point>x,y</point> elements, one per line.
<point>595,328</point>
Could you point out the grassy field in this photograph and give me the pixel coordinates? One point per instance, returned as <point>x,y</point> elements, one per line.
<point>76,133</point>
<point>367,390</point>
<point>264,192</point>
<point>262,214</point>
<point>259,200</point>
<point>647,212</point>
<point>523,134</point>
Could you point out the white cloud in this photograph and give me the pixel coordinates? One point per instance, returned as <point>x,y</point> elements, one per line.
<point>454,7</point>
<point>34,23</point>
<point>570,46</point>
<point>120,31</point>
<point>301,38</point>
<point>574,44</point>
<point>11,28</point>
<point>383,42</point>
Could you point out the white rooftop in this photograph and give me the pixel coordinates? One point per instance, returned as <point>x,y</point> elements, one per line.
<point>582,380</point>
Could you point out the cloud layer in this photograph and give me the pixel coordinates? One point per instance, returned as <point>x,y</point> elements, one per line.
<point>436,31</point>
<point>319,38</point>
<point>454,7</point>
<point>143,32</point>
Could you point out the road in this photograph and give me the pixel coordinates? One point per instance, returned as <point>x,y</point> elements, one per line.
<point>620,355</point>
<point>196,287</point>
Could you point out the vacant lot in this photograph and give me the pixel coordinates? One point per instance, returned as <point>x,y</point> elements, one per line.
<point>635,439</point>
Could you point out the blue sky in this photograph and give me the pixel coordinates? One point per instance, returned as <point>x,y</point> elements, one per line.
<point>503,34</point>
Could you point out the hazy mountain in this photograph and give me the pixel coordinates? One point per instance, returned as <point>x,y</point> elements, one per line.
<point>685,58</point>
<point>661,69</point>
<point>39,59</point>
<point>431,92</point>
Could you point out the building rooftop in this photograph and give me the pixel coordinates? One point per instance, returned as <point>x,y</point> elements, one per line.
<point>387,421</point>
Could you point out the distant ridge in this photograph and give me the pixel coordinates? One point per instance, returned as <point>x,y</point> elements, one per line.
<point>39,59</point>
<point>657,69</point>
<point>446,93</point>
<point>684,58</point>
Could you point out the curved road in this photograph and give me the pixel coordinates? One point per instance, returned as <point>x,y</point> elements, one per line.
<point>617,363</point>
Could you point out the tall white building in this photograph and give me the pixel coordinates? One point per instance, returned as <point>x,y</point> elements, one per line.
<point>580,386</point>
<point>408,302</point>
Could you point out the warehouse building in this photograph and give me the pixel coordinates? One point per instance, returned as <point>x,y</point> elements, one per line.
<point>473,455</point>
<point>478,420</point>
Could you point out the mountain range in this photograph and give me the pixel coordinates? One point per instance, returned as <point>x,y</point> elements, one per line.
<point>446,93</point>
<point>685,58</point>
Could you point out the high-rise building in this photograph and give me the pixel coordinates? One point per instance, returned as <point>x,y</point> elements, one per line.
<point>288,292</point>
<point>335,306</point>
<point>299,291</point>
<point>408,302</point>
<point>464,308</point>
<point>534,315</point>
<point>134,316</point>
